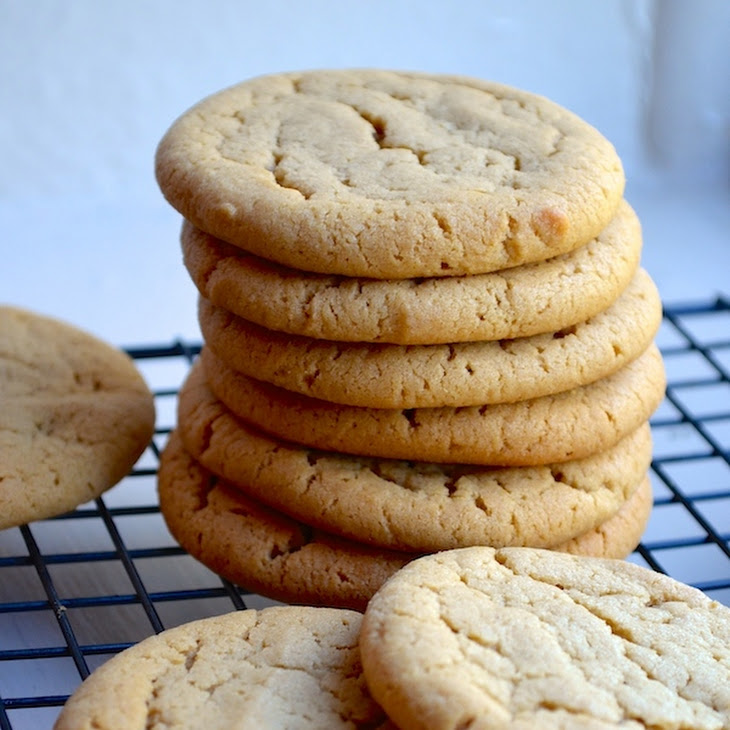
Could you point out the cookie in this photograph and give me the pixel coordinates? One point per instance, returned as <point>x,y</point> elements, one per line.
<point>526,300</point>
<point>261,549</point>
<point>267,552</point>
<point>406,505</point>
<point>525,638</point>
<point>76,415</point>
<point>621,533</point>
<point>568,425</point>
<point>389,175</point>
<point>429,376</point>
<point>278,667</point>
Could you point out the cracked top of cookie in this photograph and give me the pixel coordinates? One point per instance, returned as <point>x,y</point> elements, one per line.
<point>388,174</point>
<point>525,638</point>
<point>278,667</point>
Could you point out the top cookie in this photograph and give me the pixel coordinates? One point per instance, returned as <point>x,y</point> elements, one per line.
<point>75,416</point>
<point>389,175</point>
<point>525,638</point>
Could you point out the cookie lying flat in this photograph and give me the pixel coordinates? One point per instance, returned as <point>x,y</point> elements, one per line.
<point>276,556</point>
<point>427,376</point>
<point>76,415</point>
<point>261,549</point>
<point>542,297</point>
<point>408,505</point>
<point>569,425</point>
<point>280,667</point>
<point>523,638</point>
<point>389,175</point>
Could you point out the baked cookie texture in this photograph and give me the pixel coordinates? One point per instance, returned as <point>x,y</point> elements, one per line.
<point>546,296</point>
<point>416,506</point>
<point>279,667</point>
<point>621,533</point>
<point>389,175</point>
<point>272,553</point>
<point>476,637</point>
<point>525,638</point>
<point>568,425</point>
<point>458,374</point>
<point>263,549</point>
<point>426,327</point>
<point>76,415</point>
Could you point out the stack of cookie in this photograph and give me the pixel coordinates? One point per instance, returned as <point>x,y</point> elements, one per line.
<point>425,328</point>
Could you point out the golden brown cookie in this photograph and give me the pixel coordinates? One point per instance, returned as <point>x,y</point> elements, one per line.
<point>427,376</point>
<point>568,425</point>
<point>526,300</point>
<point>265,551</point>
<point>261,549</point>
<point>621,533</point>
<point>389,175</point>
<point>525,638</point>
<point>406,505</point>
<point>279,667</point>
<point>76,415</point>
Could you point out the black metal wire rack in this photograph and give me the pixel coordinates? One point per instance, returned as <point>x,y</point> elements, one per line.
<point>77,589</point>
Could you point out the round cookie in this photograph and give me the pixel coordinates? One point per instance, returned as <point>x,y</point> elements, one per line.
<point>405,505</point>
<point>276,556</point>
<point>76,415</point>
<point>568,425</point>
<point>261,549</point>
<point>526,300</point>
<point>389,175</point>
<point>430,376</point>
<point>525,638</point>
<point>278,667</point>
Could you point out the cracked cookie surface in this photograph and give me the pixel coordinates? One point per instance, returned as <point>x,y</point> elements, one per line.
<point>568,425</point>
<point>517,302</point>
<point>389,174</point>
<point>268,552</point>
<point>621,533</point>
<point>76,414</point>
<point>283,667</point>
<point>521,638</point>
<point>408,505</point>
<point>429,376</point>
<point>261,549</point>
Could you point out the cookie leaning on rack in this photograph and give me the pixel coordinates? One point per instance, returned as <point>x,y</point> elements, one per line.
<point>76,415</point>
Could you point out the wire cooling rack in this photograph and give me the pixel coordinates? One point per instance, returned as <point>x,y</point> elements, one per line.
<point>77,589</point>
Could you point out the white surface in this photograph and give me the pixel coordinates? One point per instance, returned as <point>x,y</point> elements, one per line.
<point>88,88</point>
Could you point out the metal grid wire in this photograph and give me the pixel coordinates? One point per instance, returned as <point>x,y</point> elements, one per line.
<point>79,588</point>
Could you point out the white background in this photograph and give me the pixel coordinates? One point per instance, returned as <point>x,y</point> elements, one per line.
<point>88,87</point>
